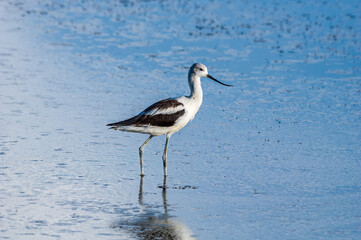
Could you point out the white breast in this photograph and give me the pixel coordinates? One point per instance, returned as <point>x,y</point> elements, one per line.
<point>191,107</point>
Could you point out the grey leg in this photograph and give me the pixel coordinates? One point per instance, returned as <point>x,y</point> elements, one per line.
<point>141,155</point>
<point>165,155</point>
<point>164,195</point>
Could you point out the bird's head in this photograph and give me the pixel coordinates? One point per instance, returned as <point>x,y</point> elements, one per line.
<point>200,70</point>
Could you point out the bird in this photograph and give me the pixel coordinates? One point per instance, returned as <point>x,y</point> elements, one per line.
<point>168,115</point>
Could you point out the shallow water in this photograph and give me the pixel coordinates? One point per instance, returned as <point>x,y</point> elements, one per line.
<point>275,157</point>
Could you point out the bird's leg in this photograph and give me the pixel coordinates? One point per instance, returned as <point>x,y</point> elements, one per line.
<point>165,155</point>
<point>164,195</point>
<point>141,155</point>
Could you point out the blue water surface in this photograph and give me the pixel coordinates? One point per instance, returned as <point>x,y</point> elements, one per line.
<point>277,156</point>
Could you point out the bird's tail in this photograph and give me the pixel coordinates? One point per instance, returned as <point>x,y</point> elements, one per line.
<point>118,125</point>
<point>112,126</point>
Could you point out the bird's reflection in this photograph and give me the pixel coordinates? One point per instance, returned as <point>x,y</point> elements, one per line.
<point>154,225</point>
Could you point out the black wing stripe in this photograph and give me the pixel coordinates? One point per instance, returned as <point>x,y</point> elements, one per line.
<point>162,120</point>
<point>163,104</point>
<point>159,120</point>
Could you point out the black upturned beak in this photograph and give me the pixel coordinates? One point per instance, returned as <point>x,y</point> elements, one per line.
<point>209,76</point>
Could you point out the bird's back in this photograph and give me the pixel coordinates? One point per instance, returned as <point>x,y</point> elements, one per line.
<point>158,119</point>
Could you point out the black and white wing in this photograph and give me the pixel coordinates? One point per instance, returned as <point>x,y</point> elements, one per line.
<point>161,114</point>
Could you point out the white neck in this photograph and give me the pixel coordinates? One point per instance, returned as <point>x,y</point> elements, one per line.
<point>196,88</point>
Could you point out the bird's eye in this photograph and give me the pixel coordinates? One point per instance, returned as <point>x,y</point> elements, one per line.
<point>201,69</point>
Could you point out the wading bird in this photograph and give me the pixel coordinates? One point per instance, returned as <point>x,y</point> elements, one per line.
<point>169,115</point>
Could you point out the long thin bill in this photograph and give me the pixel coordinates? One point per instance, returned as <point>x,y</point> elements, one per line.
<point>209,76</point>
